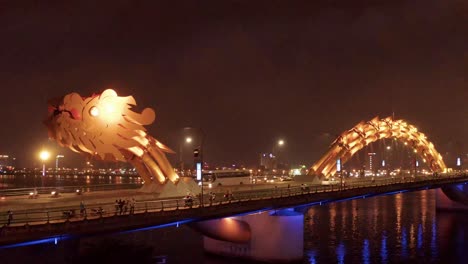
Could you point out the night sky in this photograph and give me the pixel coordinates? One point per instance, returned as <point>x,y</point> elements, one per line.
<point>246,72</point>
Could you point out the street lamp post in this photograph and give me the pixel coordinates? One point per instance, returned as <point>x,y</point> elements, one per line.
<point>274,151</point>
<point>44,156</point>
<point>188,140</point>
<point>201,161</point>
<point>198,156</point>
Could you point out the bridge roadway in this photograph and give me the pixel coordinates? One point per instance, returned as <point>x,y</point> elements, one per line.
<point>37,223</point>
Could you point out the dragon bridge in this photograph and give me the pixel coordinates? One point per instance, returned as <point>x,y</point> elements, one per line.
<point>364,133</point>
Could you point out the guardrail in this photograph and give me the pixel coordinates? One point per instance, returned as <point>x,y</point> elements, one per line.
<point>103,210</point>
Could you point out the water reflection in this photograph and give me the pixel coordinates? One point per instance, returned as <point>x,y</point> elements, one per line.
<point>366,252</point>
<point>383,248</point>
<point>30,180</point>
<point>385,229</point>
<point>404,243</point>
<point>340,252</point>
<point>420,236</point>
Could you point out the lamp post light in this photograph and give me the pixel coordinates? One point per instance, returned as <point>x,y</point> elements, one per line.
<point>274,151</point>
<point>44,156</point>
<point>188,140</point>
<point>198,158</point>
<point>388,160</point>
<point>278,145</point>
<point>201,161</point>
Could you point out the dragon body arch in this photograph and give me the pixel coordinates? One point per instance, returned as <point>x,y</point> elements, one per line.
<point>364,133</point>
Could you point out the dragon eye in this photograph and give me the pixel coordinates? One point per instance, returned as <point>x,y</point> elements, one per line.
<point>94,111</point>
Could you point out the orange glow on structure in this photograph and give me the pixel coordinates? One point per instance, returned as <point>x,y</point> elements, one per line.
<point>108,129</point>
<point>364,133</point>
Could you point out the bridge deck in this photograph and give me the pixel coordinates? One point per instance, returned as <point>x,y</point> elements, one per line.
<point>39,223</point>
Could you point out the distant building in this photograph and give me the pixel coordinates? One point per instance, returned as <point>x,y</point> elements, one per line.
<point>372,162</point>
<point>268,161</point>
<point>7,163</point>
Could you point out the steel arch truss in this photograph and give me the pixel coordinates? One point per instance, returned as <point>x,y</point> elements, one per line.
<point>364,133</point>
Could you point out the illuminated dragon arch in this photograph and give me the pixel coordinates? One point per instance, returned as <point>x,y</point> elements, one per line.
<point>364,133</point>
<point>105,127</point>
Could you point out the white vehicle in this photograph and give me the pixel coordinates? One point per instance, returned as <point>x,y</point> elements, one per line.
<point>330,181</point>
<point>227,177</point>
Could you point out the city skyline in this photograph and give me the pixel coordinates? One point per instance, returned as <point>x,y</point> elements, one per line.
<point>246,76</point>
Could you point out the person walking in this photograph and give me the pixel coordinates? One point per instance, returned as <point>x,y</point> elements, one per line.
<point>10,217</point>
<point>132,206</point>
<point>126,203</point>
<point>82,209</point>
<point>116,205</point>
<point>121,204</point>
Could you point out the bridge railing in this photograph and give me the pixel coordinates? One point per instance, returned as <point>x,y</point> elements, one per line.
<point>62,214</point>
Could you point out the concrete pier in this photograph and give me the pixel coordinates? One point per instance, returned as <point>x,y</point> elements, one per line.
<point>457,201</point>
<point>276,237</point>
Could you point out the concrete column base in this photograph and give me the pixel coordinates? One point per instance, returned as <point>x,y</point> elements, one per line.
<point>443,202</point>
<point>276,236</point>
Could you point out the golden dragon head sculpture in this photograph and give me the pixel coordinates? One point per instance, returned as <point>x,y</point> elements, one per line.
<point>105,127</point>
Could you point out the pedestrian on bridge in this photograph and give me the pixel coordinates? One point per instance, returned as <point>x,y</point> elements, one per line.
<point>116,204</point>
<point>132,205</point>
<point>82,209</point>
<point>10,217</point>
<point>121,206</point>
<point>126,203</point>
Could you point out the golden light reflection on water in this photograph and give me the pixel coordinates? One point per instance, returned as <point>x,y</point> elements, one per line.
<point>355,216</point>
<point>398,208</point>
<point>424,209</point>
<point>399,227</point>
<point>344,214</point>
<point>332,217</point>
<point>412,237</point>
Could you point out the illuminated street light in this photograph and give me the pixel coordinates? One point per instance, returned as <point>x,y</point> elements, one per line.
<point>44,156</point>
<point>275,151</point>
<point>198,157</point>
<point>389,148</point>
<point>188,140</point>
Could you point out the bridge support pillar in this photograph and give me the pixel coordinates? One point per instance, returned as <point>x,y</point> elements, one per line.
<point>453,197</point>
<point>276,236</point>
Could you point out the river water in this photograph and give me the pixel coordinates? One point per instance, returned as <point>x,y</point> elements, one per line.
<point>402,228</point>
<point>9,181</point>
